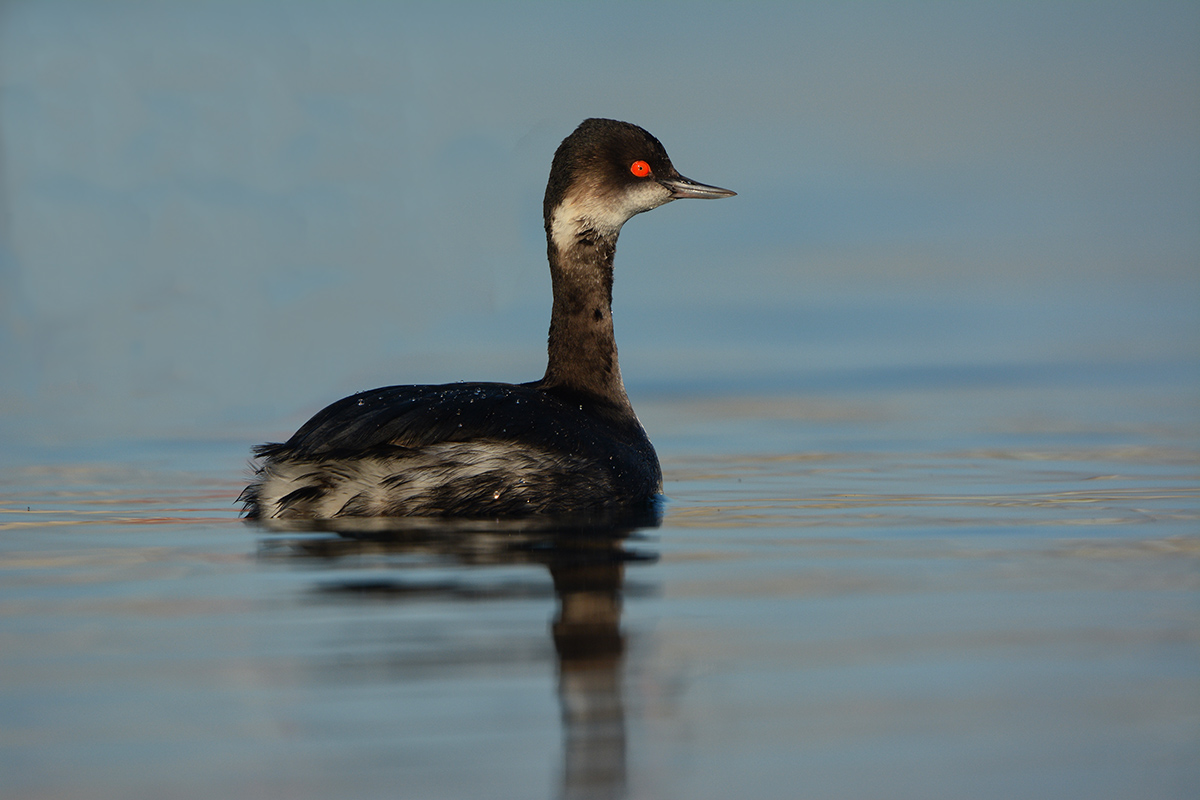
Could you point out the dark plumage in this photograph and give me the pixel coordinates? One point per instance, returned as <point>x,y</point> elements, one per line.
<point>569,444</point>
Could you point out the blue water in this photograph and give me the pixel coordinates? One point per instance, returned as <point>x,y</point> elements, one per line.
<point>926,394</point>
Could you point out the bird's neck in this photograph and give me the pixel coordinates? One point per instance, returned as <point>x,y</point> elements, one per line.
<point>582,349</point>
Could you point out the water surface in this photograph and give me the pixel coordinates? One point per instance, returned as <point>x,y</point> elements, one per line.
<point>977,620</point>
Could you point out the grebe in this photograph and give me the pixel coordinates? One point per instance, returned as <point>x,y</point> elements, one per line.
<point>568,444</point>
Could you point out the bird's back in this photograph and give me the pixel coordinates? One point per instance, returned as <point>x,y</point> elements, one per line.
<point>463,450</point>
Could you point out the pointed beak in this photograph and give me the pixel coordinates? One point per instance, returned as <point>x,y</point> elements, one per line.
<point>682,187</point>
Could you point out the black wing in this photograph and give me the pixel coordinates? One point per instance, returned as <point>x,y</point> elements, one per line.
<point>415,416</point>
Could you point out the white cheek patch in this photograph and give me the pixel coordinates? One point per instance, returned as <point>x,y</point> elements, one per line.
<point>583,211</point>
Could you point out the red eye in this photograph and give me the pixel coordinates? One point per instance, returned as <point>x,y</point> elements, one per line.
<point>640,168</point>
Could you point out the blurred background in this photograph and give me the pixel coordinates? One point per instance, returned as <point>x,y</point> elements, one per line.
<point>926,395</point>
<point>216,217</point>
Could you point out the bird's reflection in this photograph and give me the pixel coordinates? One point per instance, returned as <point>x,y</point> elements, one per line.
<point>586,561</point>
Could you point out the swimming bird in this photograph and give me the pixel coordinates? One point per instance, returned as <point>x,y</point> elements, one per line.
<point>569,444</point>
